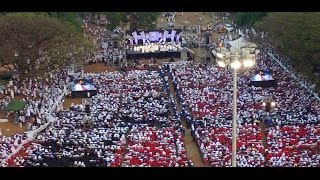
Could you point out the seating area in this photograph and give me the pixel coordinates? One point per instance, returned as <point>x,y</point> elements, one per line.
<point>131,109</point>
<point>39,95</point>
<point>205,93</point>
<point>152,147</point>
<point>215,146</point>
<point>134,120</point>
<point>9,144</point>
<point>293,146</point>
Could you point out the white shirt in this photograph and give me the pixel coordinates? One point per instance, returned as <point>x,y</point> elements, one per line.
<point>258,77</point>
<point>78,87</point>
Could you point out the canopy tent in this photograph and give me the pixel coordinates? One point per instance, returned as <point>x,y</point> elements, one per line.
<point>15,105</point>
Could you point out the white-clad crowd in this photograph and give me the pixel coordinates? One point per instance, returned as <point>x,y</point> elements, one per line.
<point>130,108</point>
<point>40,96</point>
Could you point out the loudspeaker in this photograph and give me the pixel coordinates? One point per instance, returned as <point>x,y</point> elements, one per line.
<point>207,40</point>
<point>87,108</point>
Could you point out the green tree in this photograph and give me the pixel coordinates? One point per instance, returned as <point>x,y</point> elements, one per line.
<point>143,20</point>
<point>296,35</point>
<point>248,18</point>
<point>137,20</point>
<point>72,19</point>
<point>115,18</point>
<point>69,18</point>
<point>34,44</point>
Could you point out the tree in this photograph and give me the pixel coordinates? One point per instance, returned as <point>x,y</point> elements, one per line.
<point>33,44</point>
<point>248,18</point>
<point>143,20</point>
<point>137,20</point>
<point>69,18</point>
<point>72,19</point>
<point>115,18</point>
<point>295,35</point>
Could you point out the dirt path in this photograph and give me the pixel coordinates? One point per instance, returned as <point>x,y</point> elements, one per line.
<point>264,137</point>
<point>99,67</point>
<point>192,148</point>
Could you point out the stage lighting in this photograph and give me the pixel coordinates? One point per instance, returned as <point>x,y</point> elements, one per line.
<point>220,55</point>
<point>221,63</point>
<point>235,64</point>
<point>248,63</point>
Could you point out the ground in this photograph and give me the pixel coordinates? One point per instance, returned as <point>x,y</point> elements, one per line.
<point>99,67</point>
<point>8,128</point>
<point>68,101</point>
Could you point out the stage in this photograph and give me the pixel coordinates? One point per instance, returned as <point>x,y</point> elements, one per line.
<point>264,84</point>
<point>83,94</point>
<point>157,55</point>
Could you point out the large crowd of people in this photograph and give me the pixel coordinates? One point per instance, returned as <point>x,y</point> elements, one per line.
<point>133,121</point>
<point>42,98</point>
<point>205,93</point>
<point>293,146</point>
<point>127,104</point>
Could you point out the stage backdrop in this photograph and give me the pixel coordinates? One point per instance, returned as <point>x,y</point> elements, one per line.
<point>154,36</point>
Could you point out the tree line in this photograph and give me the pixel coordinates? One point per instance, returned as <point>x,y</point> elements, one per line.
<point>33,44</point>
<point>294,34</point>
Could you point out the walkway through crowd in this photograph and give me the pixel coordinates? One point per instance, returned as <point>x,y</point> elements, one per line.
<point>192,148</point>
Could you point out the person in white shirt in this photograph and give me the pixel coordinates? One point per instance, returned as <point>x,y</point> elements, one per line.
<point>259,77</point>
<point>79,86</point>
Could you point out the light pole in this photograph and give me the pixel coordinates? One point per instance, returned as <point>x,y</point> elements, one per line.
<point>199,42</point>
<point>235,61</point>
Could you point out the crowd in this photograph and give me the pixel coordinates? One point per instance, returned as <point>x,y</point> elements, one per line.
<point>127,104</point>
<point>111,48</point>
<point>156,47</point>
<point>215,145</point>
<point>133,121</point>
<point>170,17</point>
<point>41,97</point>
<point>152,147</point>
<point>205,93</point>
<point>293,146</point>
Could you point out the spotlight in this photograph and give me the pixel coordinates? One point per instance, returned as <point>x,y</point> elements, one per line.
<point>220,55</point>
<point>221,64</point>
<point>248,63</point>
<point>236,64</point>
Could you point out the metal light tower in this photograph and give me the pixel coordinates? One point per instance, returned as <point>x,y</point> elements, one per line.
<point>235,61</point>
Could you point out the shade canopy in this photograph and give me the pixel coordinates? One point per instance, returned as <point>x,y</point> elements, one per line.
<point>15,105</point>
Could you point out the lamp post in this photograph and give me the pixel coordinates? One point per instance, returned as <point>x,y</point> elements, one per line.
<point>235,61</point>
